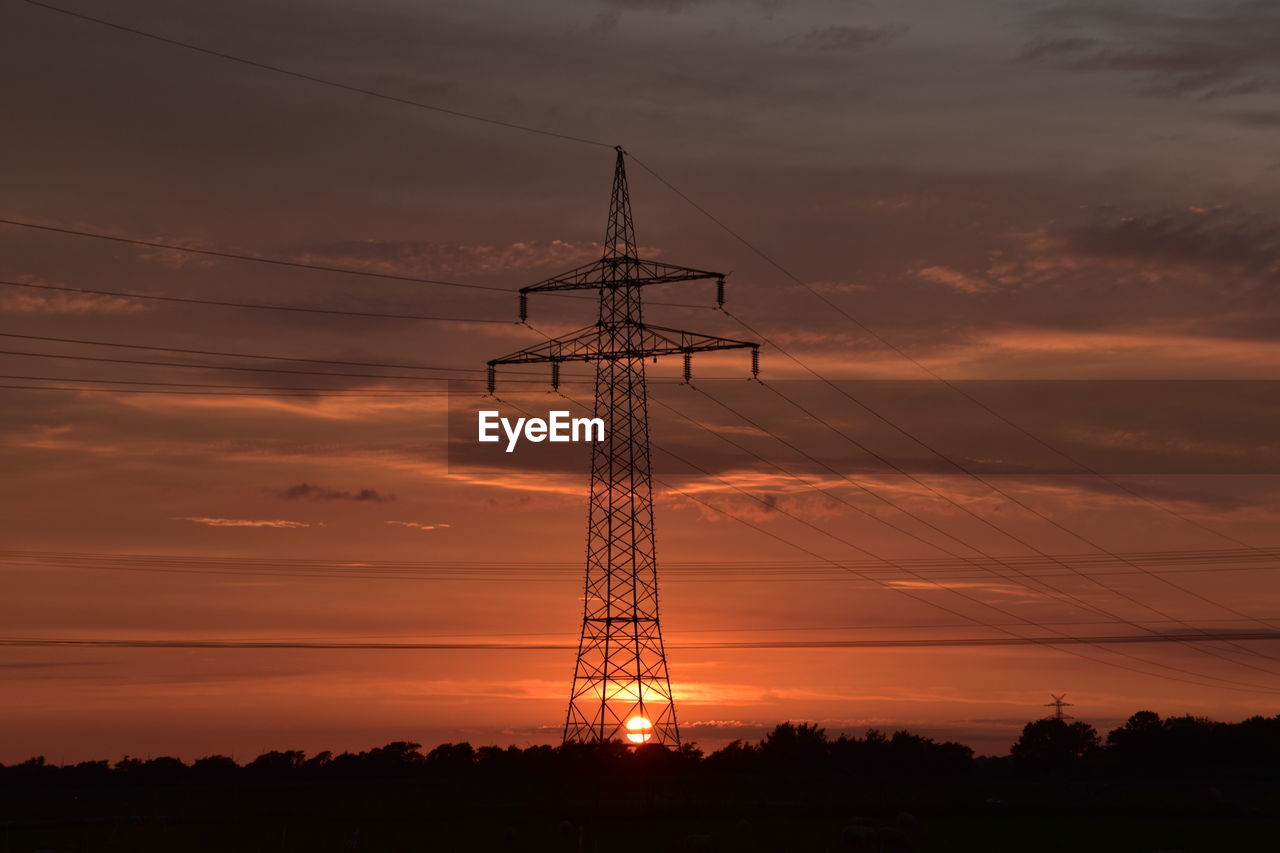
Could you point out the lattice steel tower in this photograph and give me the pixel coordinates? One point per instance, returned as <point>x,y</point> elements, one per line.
<point>620,688</point>
<point>1057,705</point>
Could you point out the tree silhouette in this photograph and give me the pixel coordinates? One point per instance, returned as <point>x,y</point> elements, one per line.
<point>795,748</point>
<point>736,757</point>
<point>1053,745</point>
<point>214,768</point>
<point>277,764</point>
<point>1144,745</point>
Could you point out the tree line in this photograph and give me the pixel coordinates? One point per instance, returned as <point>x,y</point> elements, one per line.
<point>1144,745</point>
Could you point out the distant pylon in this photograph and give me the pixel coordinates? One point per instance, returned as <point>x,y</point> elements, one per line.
<point>621,689</point>
<point>1057,705</point>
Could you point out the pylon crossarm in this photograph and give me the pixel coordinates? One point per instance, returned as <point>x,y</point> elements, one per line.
<point>681,341</point>
<point>575,346</point>
<point>650,342</point>
<point>620,271</point>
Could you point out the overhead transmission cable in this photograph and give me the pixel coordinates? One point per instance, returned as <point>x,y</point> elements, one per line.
<point>224,354</point>
<point>1052,590</point>
<point>1238,685</point>
<point>388,391</point>
<point>963,469</point>
<point>307,395</point>
<point>510,125</point>
<point>552,645</point>
<point>599,143</point>
<point>1022,578</point>
<point>305,265</point>
<point>754,571</point>
<point>311,78</point>
<point>156,297</point>
<point>1227,684</point>
<point>936,377</point>
<point>239,368</point>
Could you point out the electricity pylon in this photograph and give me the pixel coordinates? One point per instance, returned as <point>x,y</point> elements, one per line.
<point>621,688</point>
<point>1057,705</point>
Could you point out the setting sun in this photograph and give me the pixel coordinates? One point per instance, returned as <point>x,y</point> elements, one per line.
<point>639,730</point>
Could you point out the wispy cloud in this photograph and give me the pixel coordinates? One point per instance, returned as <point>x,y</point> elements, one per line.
<point>1203,51</point>
<point>847,39</point>
<point>955,279</point>
<point>245,522</point>
<point>1212,239</point>
<point>413,525</point>
<point>655,5</point>
<point>67,303</point>
<point>306,491</point>
<point>422,258</point>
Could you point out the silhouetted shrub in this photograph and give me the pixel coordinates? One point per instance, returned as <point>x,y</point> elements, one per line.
<point>1144,745</point>
<point>1054,746</point>
<point>214,768</point>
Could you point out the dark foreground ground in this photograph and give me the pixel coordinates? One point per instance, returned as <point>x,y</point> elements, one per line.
<point>612,814</point>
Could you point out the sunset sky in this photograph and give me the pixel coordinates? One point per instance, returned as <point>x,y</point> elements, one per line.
<point>1057,193</point>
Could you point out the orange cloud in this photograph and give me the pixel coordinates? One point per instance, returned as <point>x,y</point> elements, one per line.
<point>245,522</point>
<point>954,279</point>
<point>67,303</point>
<point>413,525</point>
<point>410,258</point>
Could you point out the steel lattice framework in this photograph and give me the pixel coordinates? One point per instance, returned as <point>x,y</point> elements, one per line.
<point>621,689</point>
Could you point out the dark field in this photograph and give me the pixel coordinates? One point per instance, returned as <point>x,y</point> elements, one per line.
<point>749,813</point>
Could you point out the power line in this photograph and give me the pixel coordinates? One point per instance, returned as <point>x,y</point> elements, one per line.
<point>283,262</point>
<point>1185,557</point>
<point>1050,589</point>
<point>259,259</point>
<point>870,515</point>
<point>568,137</point>
<point>886,643</point>
<point>936,584</point>
<point>1242,686</point>
<point>936,377</point>
<point>417,636</point>
<point>952,590</point>
<point>1195,678</point>
<point>254,305</point>
<point>920,365</point>
<point>972,475</point>
<point>987,521</point>
<point>739,237</point>
<point>315,80</point>
<point>223,354</point>
<point>716,572</point>
<point>899,428</point>
<point>197,393</point>
<point>311,78</point>
<point>244,369</point>
<point>388,391</point>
